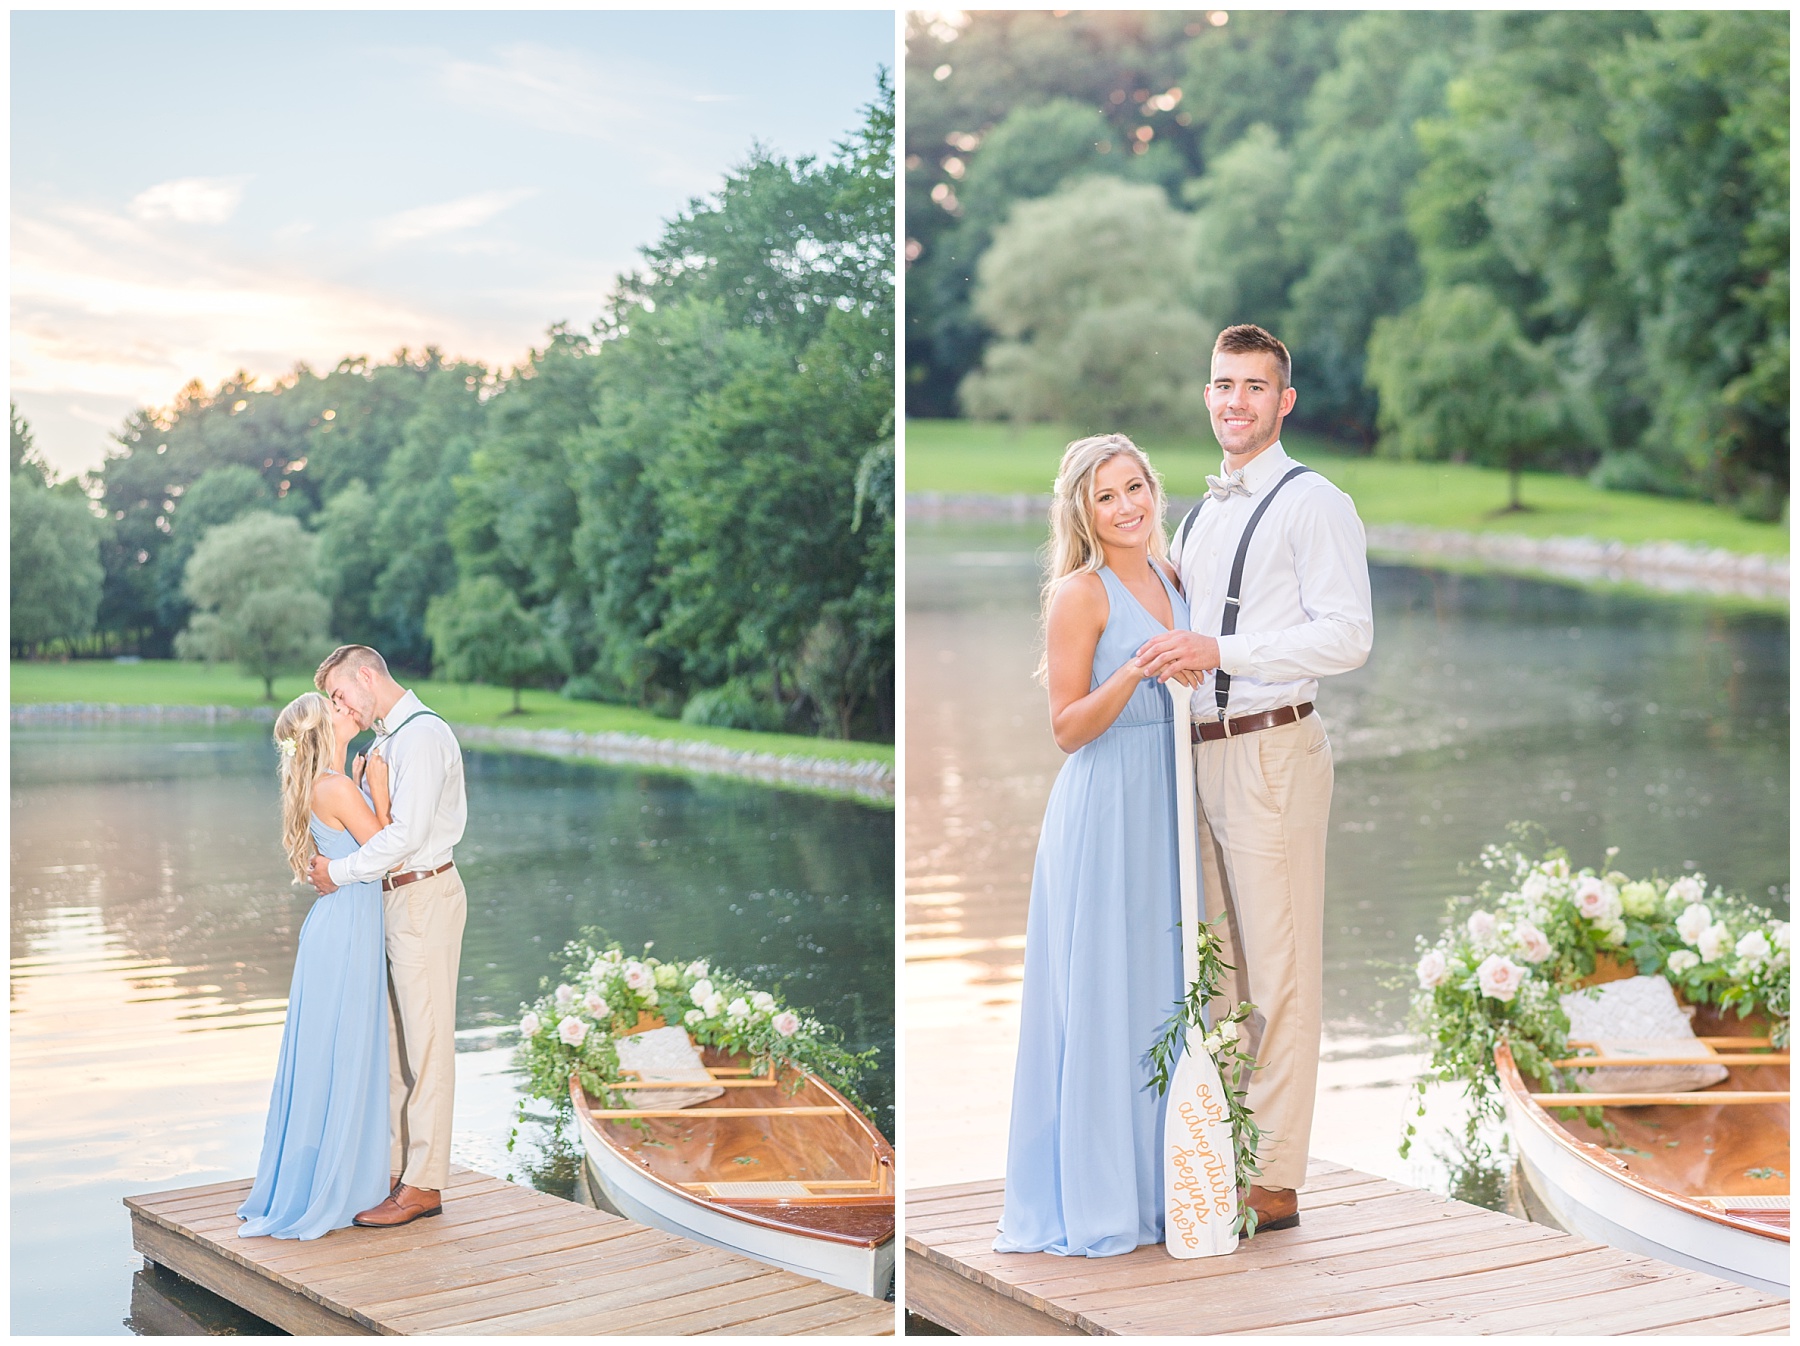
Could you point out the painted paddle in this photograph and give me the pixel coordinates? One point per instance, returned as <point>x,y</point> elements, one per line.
<point>1200,1199</point>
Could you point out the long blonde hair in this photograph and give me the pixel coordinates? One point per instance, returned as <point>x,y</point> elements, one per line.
<point>1074,547</point>
<point>304,738</point>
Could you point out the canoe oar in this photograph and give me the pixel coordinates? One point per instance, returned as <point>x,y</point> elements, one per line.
<point>1200,1198</point>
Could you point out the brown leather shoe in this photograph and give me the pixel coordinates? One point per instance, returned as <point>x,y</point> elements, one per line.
<point>403,1206</point>
<point>1275,1207</point>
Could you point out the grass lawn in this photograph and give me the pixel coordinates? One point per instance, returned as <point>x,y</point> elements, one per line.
<point>166,682</point>
<point>968,457</point>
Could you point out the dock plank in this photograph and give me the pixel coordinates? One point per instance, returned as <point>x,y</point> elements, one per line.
<point>501,1259</point>
<point>1370,1257</point>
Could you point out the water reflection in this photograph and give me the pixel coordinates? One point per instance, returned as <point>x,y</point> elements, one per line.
<point>151,913</point>
<point>1659,726</point>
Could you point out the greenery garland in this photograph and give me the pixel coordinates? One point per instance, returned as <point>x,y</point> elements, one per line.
<point>1536,929</point>
<point>1224,1042</point>
<point>573,1029</point>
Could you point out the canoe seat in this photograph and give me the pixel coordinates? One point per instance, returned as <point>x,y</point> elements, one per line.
<point>743,1191</point>
<point>1746,1202</point>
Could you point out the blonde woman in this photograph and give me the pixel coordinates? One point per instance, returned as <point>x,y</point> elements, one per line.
<point>325,1145</point>
<point>1102,958</point>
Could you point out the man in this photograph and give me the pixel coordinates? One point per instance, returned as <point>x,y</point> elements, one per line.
<point>1262,763</point>
<point>423,906</point>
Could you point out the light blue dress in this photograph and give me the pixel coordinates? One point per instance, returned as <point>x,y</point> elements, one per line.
<point>325,1145</point>
<point>1102,975</point>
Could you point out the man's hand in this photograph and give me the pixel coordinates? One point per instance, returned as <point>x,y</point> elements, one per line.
<point>320,875</point>
<point>1185,655</point>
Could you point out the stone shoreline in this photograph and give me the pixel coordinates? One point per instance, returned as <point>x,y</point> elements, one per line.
<point>866,780</point>
<point>1671,567</point>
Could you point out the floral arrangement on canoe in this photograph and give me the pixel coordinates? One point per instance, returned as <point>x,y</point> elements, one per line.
<point>604,994</point>
<point>1536,928</point>
<point>1224,1042</point>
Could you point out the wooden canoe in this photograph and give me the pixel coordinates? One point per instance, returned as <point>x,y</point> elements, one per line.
<point>795,1177</point>
<point>1676,1182</point>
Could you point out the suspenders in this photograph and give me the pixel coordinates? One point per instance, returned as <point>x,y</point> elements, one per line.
<point>408,720</point>
<point>1222,679</point>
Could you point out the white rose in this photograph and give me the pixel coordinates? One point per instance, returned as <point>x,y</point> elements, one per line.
<point>1433,970</point>
<point>763,1001</point>
<point>1692,923</point>
<point>1210,1044</point>
<point>1227,1031</point>
<point>1534,888</point>
<point>572,1030</point>
<point>1690,888</point>
<point>1597,899</point>
<point>1556,869</point>
<point>1500,977</point>
<point>1534,945</point>
<point>639,977</point>
<point>714,1004</point>
<point>1713,942</point>
<point>738,1009</point>
<point>596,1006</point>
<point>651,998</point>
<point>1638,899</point>
<point>565,996</point>
<point>599,970</point>
<point>1754,948</point>
<point>787,1023</point>
<point>1683,959</point>
<point>1481,924</point>
<point>693,1017</point>
<point>529,1025</point>
<point>697,969</point>
<point>1613,928</point>
<point>701,991</point>
<point>1778,934</point>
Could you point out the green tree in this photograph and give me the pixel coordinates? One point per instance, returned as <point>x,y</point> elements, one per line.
<point>479,633</point>
<point>1241,258</point>
<point>1458,380</point>
<point>1700,237</point>
<point>55,559</point>
<point>26,460</point>
<point>251,583</point>
<point>350,558</point>
<point>1086,290</point>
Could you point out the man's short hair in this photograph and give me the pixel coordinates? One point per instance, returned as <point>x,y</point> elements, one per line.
<point>1246,338</point>
<point>349,656</point>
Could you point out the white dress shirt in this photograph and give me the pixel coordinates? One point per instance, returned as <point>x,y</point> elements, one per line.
<point>425,783</point>
<point>1304,609</point>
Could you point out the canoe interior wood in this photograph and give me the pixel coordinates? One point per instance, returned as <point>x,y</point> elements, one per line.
<point>1370,1256</point>
<point>501,1260</point>
<point>1700,1098</point>
<point>1716,1059</point>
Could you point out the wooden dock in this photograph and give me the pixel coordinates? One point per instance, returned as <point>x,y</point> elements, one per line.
<point>502,1260</point>
<point>1370,1256</point>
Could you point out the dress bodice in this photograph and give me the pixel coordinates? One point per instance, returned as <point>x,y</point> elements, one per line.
<point>334,843</point>
<point>1128,625</point>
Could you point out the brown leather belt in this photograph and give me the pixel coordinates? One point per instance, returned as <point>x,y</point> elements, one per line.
<point>1210,731</point>
<point>406,876</point>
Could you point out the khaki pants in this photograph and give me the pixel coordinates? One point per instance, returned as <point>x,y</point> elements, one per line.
<point>1265,802</point>
<point>424,947</point>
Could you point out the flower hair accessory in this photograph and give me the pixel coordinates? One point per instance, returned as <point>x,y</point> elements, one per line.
<point>289,746</point>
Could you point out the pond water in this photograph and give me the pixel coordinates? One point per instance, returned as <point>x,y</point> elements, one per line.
<point>1659,726</point>
<point>153,933</point>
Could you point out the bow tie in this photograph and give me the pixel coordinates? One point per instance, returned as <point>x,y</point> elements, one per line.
<point>1232,483</point>
<point>380,726</point>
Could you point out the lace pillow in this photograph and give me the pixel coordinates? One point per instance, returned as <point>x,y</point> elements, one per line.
<point>665,1054</point>
<point>1638,1017</point>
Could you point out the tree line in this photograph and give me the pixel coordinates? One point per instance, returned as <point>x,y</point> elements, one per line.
<point>1554,239</point>
<point>688,506</point>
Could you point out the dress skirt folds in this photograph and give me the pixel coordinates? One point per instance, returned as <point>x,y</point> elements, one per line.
<point>325,1144</point>
<point>1102,975</point>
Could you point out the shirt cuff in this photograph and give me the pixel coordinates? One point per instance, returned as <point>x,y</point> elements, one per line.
<point>1234,656</point>
<point>336,870</point>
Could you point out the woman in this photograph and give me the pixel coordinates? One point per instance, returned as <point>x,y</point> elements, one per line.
<point>325,1146</point>
<point>1102,954</point>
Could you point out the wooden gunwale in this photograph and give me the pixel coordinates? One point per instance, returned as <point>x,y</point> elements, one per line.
<point>1511,1081</point>
<point>1696,1098</point>
<point>1715,1059</point>
<point>585,1113</point>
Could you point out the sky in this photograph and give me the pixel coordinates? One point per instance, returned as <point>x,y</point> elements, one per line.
<point>199,192</point>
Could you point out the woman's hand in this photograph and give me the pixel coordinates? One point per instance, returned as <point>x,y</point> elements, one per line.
<point>375,768</point>
<point>356,770</point>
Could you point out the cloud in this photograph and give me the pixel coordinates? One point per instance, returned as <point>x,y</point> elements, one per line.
<point>466,212</point>
<point>550,90</point>
<point>189,200</point>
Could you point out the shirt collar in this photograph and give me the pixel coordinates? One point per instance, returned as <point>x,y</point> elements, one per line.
<point>1264,468</point>
<point>406,705</point>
